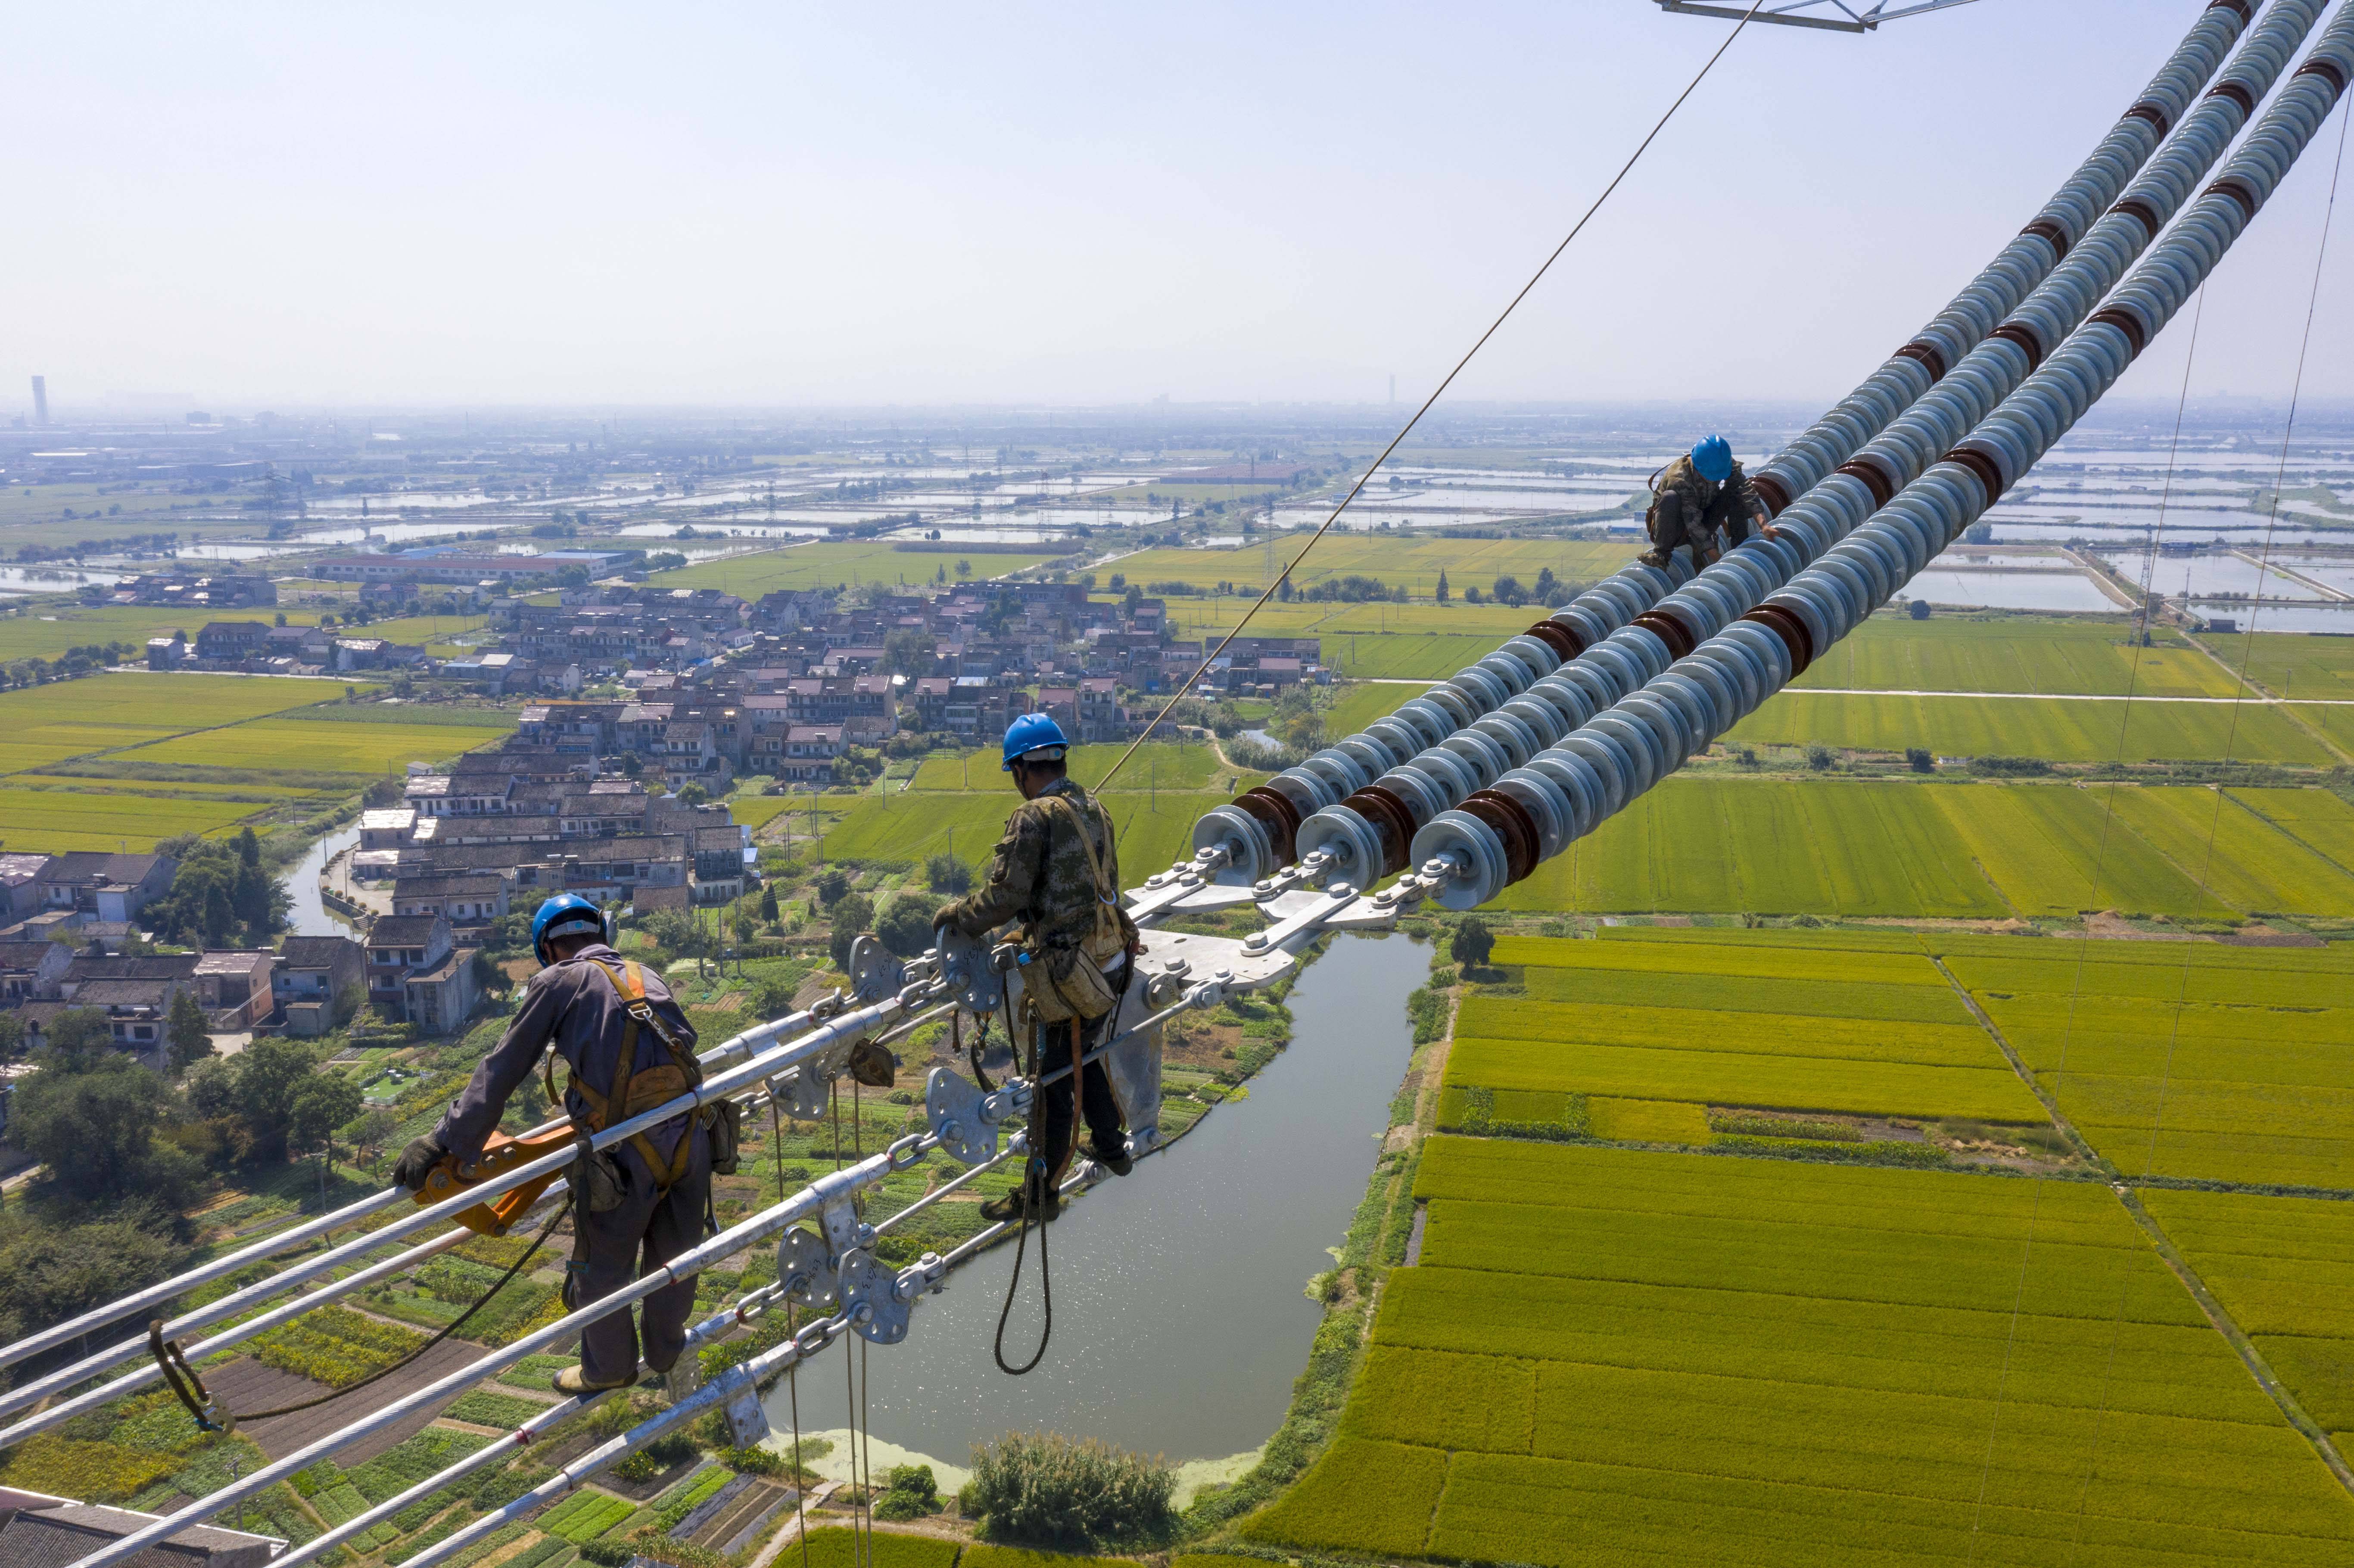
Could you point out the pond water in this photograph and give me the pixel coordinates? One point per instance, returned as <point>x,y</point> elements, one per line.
<point>2272,616</point>
<point>51,580</point>
<point>1180,1313</point>
<point>2010,591</point>
<point>310,917</point>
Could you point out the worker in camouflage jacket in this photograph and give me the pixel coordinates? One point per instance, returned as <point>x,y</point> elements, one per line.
<point>1703,503</point>
<point>1063,888</point>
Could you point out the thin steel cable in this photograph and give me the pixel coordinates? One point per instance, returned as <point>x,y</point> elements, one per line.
<point>2248,642</point>
<point>2100,868</point>
<point>866,1440</point>
<point>793,1397</point>
<point>1366,478</point>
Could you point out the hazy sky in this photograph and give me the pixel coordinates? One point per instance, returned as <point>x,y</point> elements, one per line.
<point>789,205</point>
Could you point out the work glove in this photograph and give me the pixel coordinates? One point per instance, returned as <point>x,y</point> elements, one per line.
<point>417,1163</point>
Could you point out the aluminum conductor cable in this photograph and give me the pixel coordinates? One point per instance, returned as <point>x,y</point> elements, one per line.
<point>1616,180</point>
<point>1244,841</point>
<point>1370,834</point>
<point>1469,855</point>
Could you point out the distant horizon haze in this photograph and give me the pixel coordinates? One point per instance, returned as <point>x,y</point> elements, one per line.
<point>807,207</point>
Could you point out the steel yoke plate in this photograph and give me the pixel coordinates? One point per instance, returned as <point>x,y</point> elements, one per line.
<point>959,1115</point>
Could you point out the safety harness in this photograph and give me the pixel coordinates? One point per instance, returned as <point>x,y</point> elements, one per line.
<point>635,1093</point>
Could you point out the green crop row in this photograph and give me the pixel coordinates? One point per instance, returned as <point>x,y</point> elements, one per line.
<point>1825,1083</point>
<point>94,1472</point>
<point>1699,991</point>
<point>1609,1356</point>
<point>335,1345</point>
<point>1699,1029</point>
<point>486,1409</point>
<point>851,1549</point>
<point>585,1515</point>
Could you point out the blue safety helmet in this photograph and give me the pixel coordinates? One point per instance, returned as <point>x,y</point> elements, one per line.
<point>1033,733</point>
<point>1712,459</point>
<point>567,914</point>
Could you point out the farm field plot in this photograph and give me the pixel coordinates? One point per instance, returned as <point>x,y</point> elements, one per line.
<point>2288,663</point>
<point>2251,1078</point>
<point>826,563</point>
<point>1775,1025</point>
<point>1850,849</point>
<point>1614,1356</point>
<point>2321,821</point>
<point>1357,705</point>
<point>2151,729</point>
<point>321,746</point>
<point>1177,765</point>
<point>1393,558</point>
<point>2279,1266</point>
<point>1833,848</point>
<point>56,821</point>
<point>167,702</point>
<point>1407,656</point>
<point>2251,865</point>
<point>916,825</point>
<point>2053,849</point>
<point>104,713</point>
<point>1767,1060</point>
<point>2014,653</point>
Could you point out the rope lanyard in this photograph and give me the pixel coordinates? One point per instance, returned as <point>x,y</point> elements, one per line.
<point>1493,327</point>
<point>184,1382</point>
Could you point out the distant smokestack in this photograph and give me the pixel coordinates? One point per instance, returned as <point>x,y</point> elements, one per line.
<point>40,399</point>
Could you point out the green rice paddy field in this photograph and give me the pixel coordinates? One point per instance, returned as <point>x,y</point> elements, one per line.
<point>212,750</point>
<point>1771,1025</point>
<point>2148,730</point>
<point>2184,1060</point>
<point>1851,849</point>
<point>824,564</point>
<point>1620,1357</point>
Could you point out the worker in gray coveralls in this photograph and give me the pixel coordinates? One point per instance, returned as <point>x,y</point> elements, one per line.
<point>644,1201</point>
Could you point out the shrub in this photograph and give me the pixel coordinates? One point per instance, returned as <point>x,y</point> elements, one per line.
<point>1920,760</point>
<point>1819,757</point>
<point>1046,1489</point>
<point>909,1492</point>
<point>946,873</point>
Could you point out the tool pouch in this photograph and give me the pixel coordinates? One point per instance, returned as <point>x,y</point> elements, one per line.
<point>1066,982</point>
<point>725,1128</point>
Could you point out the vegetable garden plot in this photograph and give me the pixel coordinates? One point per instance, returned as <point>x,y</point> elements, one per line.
<point>1767,1363</point>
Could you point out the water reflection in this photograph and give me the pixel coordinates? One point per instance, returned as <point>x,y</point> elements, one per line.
<point>1180,1317</point>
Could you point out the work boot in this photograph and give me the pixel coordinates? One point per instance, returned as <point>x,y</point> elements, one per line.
<point>575,1382</point>
<point>1044,1205</point>
<point>1118,1164</point>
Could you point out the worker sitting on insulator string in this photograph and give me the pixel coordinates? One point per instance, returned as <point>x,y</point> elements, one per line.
<point>1702,502</point>
<point>637,1203</point>
<point>1056,870</point>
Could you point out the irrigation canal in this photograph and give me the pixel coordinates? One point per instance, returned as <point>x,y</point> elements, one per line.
<point>1180,1313</point>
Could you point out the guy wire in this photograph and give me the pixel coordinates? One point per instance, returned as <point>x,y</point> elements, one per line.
<point>1365,478</point>
<point>2100,868</point>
